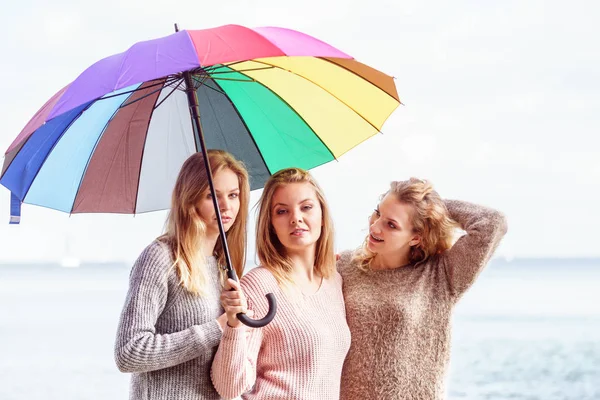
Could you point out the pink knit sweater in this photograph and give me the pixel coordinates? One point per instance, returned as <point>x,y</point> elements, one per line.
<point>299,355</point>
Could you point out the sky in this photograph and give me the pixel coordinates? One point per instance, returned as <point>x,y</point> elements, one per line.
<point>500,108</point>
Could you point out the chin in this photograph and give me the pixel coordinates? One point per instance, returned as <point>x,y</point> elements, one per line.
<point>376,251</point>
<point>298,246</point>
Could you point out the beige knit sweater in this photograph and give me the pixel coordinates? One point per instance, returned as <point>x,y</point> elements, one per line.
<point>400,319</point>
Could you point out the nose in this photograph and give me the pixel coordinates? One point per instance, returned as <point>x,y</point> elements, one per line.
<point>375,225</point>
<point>224,204</point>
<point>296,217</point>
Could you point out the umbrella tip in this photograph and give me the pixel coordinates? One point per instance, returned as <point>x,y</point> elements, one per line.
<point>176,28</point>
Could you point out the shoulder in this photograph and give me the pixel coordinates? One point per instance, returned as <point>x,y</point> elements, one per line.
<point>154,259</point>
<point>155,249</point>
<point>256,284</point>
<point>336,279</point>
<point>258,280</point>
<point>344,264</point>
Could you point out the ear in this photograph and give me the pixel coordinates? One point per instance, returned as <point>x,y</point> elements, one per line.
<point>415,241</point>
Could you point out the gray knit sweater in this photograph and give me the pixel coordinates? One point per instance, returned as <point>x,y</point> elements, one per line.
<point>400,319</point>
<point>168,337</point>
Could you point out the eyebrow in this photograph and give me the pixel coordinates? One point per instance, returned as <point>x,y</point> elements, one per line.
<point>285,205</point>
<point>227,191</point>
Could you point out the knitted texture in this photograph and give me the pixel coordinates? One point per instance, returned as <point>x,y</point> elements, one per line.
<point>299,355</point>
<point>167,337</point>
<point>400,319</point>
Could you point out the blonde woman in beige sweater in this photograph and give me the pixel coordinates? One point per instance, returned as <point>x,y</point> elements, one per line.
<point>401,287</point>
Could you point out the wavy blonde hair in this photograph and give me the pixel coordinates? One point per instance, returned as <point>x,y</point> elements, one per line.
<point>271,253</point>
<point>430,220</point>
<point>185,228</point>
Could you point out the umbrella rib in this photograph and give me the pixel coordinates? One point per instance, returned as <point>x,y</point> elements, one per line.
<point>172,79</point>
<point>236,80</point>
<point>325,90</point>
<point>162,85</point>
<point>234,63</point>
<point>215,89</point>
<point>167,96</point>
<point>241,70</point>
<point>208,73</point>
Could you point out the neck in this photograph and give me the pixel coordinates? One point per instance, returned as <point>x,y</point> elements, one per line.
<point>390,261</point>
<point>209,243</point>
<point>303,263</point>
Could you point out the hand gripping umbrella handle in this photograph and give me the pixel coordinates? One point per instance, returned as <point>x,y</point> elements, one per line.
<point>256,323</point>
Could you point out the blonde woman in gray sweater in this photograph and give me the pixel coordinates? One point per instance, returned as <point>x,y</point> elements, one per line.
<point>172,319</point>
<point>401,287</point>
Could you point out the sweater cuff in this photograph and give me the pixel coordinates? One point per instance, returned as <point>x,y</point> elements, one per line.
<point>207,335</point>
<point>234,334</point>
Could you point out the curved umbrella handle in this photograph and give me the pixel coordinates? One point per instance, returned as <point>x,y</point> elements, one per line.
<point>259,323</point>
<point>256,323</point>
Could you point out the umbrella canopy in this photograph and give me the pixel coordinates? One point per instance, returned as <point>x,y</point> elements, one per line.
<point>115,138</point>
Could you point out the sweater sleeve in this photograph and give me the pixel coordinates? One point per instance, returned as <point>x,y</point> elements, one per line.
<point>138,348</point>
<point>344,261</point>
<point>484,228</point>
<point>234,366</point>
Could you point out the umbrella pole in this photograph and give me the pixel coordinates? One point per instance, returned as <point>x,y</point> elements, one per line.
<point>195,113</point>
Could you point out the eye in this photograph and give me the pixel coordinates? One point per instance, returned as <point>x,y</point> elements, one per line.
<point>376,211</point>
<point>280,211</point>
<point>391,225</point>
<point>307,207</point>
<point>234,195</point>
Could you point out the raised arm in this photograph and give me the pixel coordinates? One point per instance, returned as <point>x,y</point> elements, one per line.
<point>138,348</point>
<point>484,228</point>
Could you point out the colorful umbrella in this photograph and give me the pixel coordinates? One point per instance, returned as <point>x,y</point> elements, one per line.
<point>115,138</point>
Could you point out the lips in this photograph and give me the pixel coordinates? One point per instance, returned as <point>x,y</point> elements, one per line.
<point>375,239</point>
<point>225,219</point>
<point>298,232</point>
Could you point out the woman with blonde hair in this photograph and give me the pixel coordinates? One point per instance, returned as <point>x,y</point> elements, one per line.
<point>401,286</point>
<point>172,319</point>
<point>300,354</point>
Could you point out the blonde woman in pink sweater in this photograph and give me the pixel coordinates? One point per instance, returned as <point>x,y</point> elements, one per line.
<point>300,354</point>
<point>401,288</point>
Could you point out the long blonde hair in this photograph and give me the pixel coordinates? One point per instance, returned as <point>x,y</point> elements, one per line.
<point>185,229</point>
<point>271,253</point>
<point>430,220</point>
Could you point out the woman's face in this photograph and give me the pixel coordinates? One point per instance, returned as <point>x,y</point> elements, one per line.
<point>296,216</point>
<point>227,187</point>
<point>390,228</point>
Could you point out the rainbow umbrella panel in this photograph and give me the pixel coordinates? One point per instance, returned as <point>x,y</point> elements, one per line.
<point>114,139</point>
